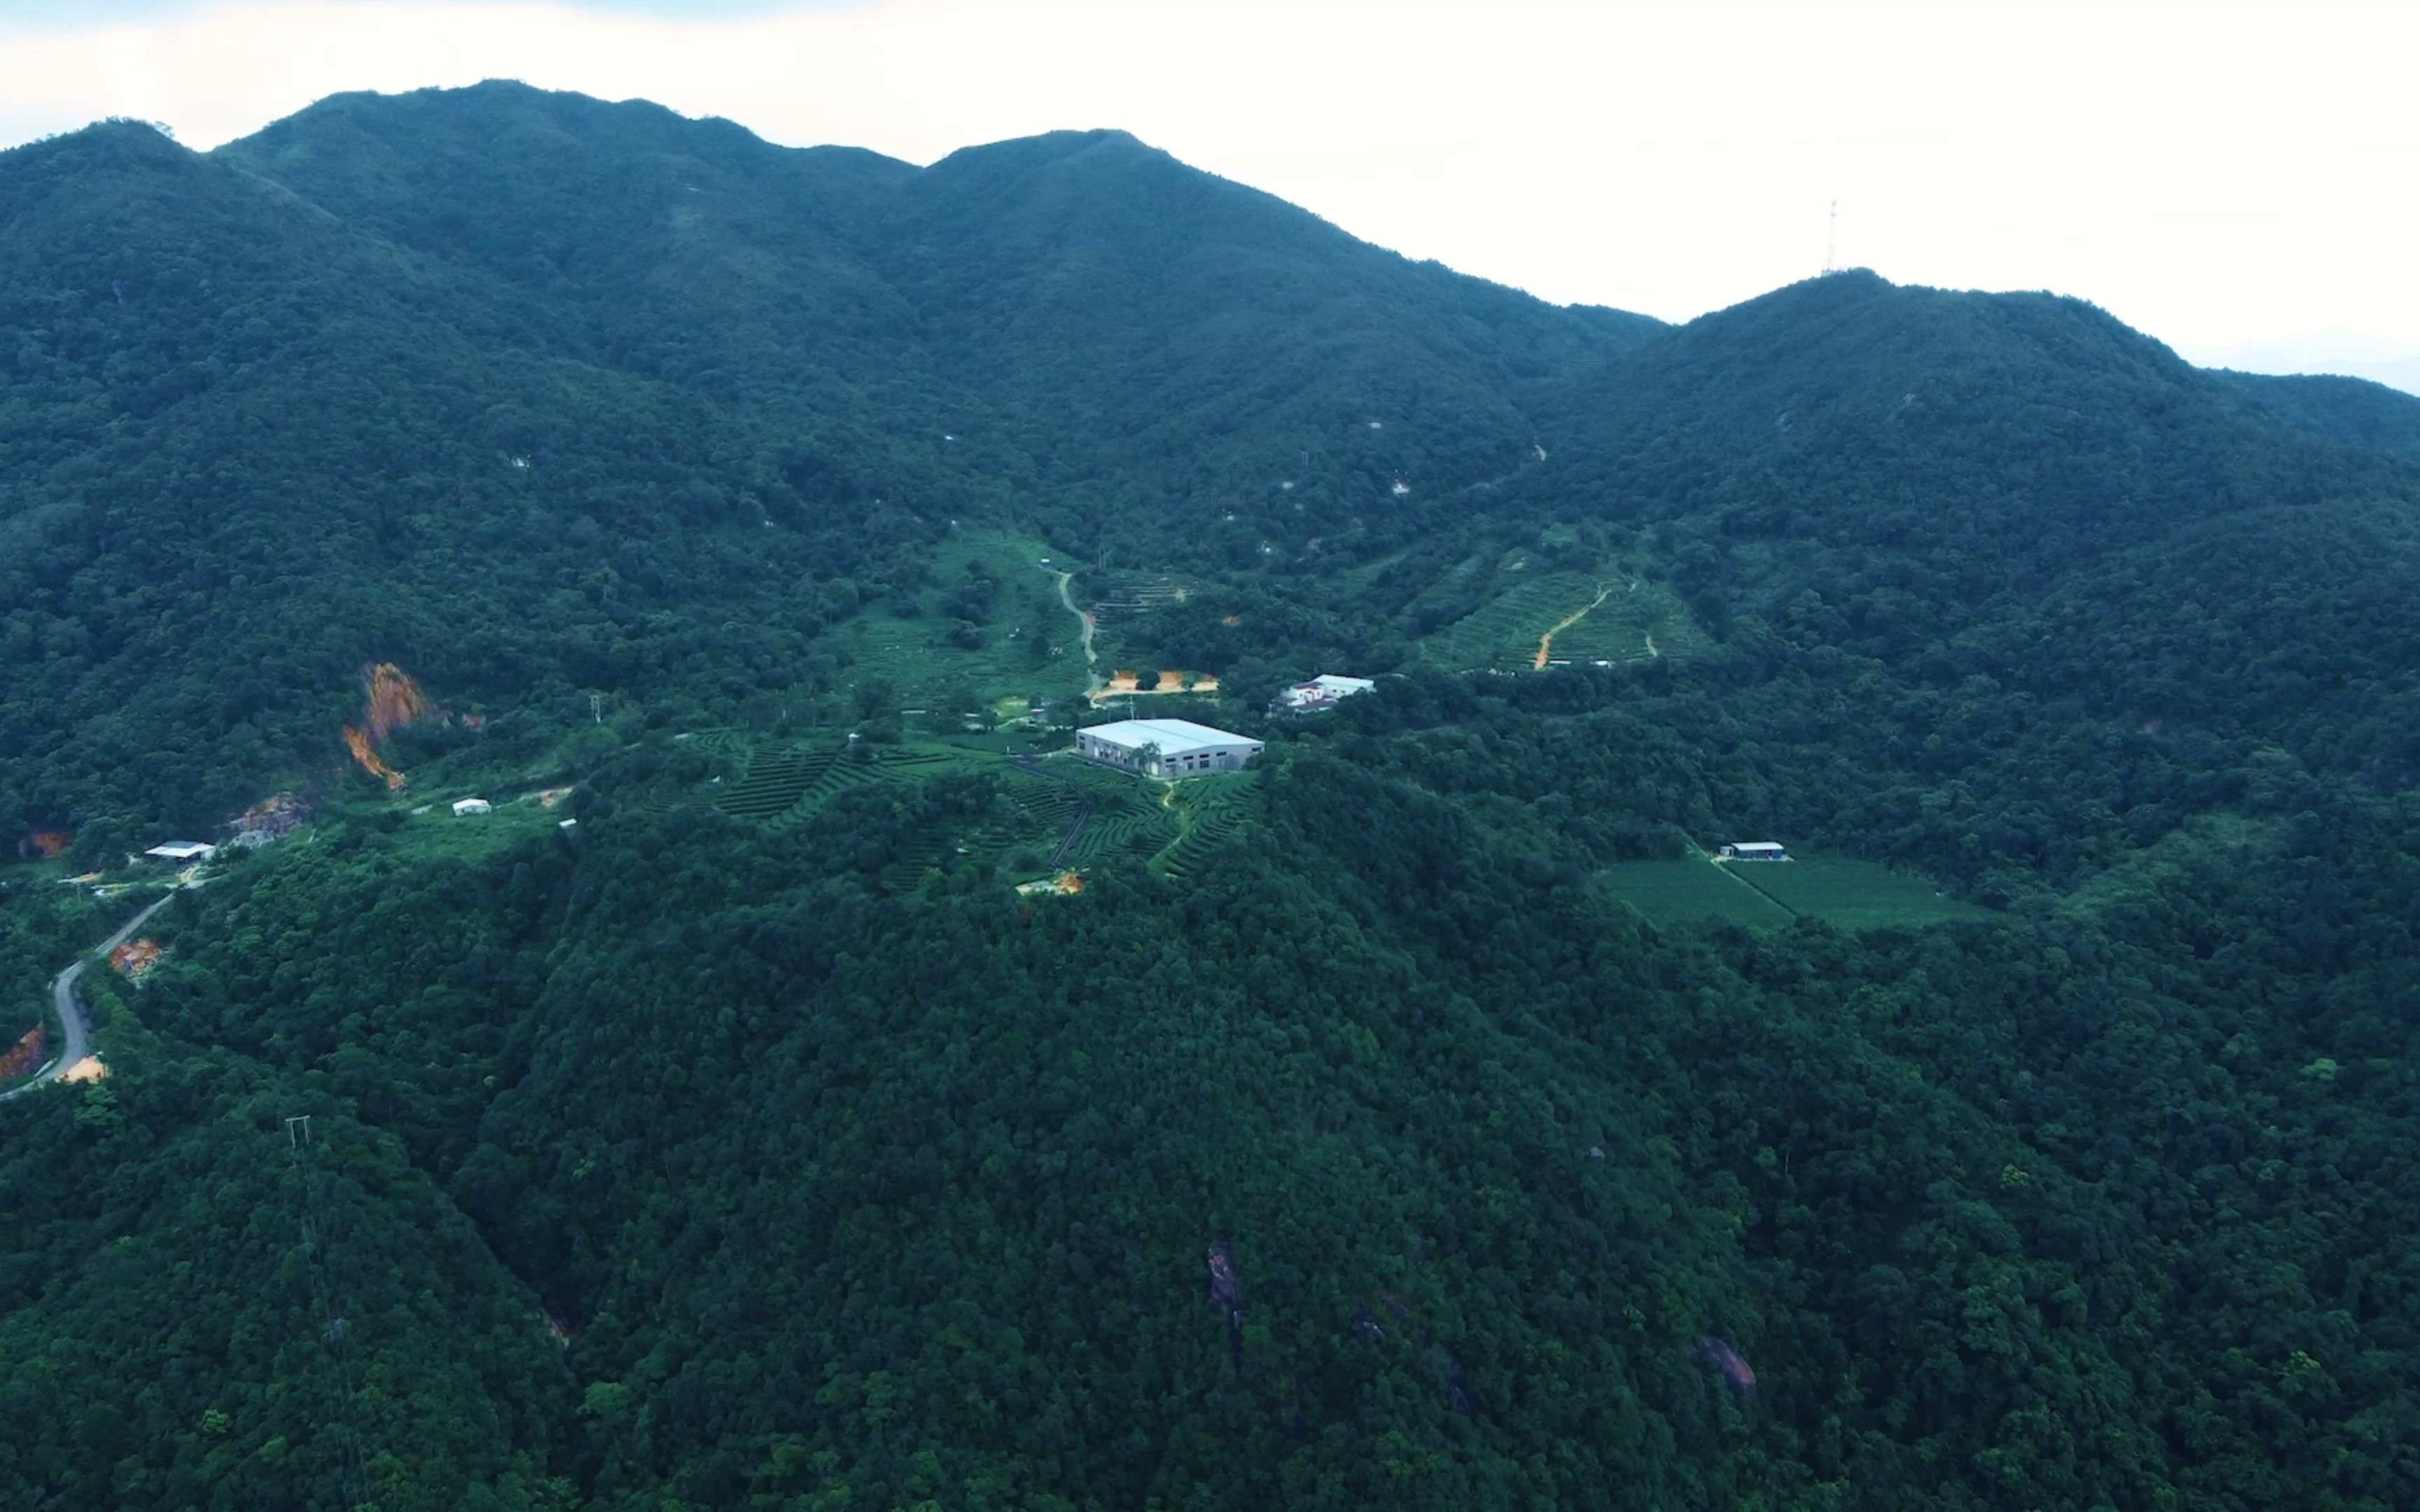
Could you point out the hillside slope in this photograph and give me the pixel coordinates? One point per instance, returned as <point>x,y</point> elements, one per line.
<point>2340,409</point>
<point>534,395</point>
<point>1081,311</point>
<point>2014,489</point>
<point>745,1109</point>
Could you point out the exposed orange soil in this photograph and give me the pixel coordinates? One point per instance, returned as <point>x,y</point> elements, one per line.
<point>1129,683</point>
<point>358,742</point>
<point>391,698</point>
<point>1066,884</point>
<point>135,958</point>
<point>47,842</point>
<point>27,1053</point>
<point>87,1070</point>
<point>394,699</point>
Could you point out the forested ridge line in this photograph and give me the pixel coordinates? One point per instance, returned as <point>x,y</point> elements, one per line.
<point>708,1117</point>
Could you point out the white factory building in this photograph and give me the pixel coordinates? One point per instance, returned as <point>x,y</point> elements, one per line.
<point>1165,747</point>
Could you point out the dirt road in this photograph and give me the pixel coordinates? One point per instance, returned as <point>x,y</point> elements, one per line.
<point>1094,681</point>
<point>1546,641</point>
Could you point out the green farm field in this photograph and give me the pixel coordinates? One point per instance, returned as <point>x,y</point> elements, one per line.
<point>918,656</point>
<point>1619,619</point>
<point>431,829</point>
<point>1844,893</point>
<point>1855,895</point>
<point>1690,891</point>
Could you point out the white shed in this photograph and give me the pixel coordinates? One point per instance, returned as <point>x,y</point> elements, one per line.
<point>464,808</point>
<point>1323,692</point>
<point>1756,850</point>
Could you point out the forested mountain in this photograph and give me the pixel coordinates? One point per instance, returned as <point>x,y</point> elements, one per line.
<point>552,394</point>
<point>780,1100</point>
<point>2341,408</point>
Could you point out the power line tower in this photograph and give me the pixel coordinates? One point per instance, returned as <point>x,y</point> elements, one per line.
<point>1832,241</point>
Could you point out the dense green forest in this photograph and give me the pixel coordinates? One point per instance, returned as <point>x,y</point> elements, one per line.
<point>739,1116</point>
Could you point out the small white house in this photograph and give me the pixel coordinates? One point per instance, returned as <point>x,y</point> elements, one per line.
<point>181,851</point>
<point>1166,748</point>
<point>1756,850</point>
<point>1323,692</point>
<point>464,808</point>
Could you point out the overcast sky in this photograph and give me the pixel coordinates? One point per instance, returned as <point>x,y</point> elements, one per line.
<point>2221,176</point>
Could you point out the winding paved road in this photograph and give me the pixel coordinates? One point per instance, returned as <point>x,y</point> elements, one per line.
<point>73,1035</point>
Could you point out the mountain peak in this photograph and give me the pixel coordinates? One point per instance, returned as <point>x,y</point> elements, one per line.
<point>118,138</point>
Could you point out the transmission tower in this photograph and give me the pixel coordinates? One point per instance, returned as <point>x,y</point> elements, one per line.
<point>1832,240</point>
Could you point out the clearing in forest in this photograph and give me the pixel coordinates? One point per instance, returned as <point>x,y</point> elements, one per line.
<point>1032,831</point>
<point>1847,894</point>
<point>433,830</point>
<point>1690,891</point>
<point>1853,895</point>
<point>1126,682</point>
<point>987,626</point>
<point>1546,641</point>
<point>1533,620</point>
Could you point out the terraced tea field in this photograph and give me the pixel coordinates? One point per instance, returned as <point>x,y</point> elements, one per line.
<point>1126,819</point>
<point>1855,895</point>
<point>1619,620</point>
<point>1689,892</point>
<point>1209,810</point>
<point>1637,622</point>
<point>1847,894</point>
<point>775,780</point>
<point>1504,632</point>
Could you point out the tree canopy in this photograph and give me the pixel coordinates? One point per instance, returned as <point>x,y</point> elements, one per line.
<point>717,1122</point>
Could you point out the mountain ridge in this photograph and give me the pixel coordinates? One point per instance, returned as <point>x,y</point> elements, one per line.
<point>801,1083</point>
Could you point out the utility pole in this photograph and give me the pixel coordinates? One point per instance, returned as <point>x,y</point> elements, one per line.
<point>1832,241</point>
<point>596,709</point>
